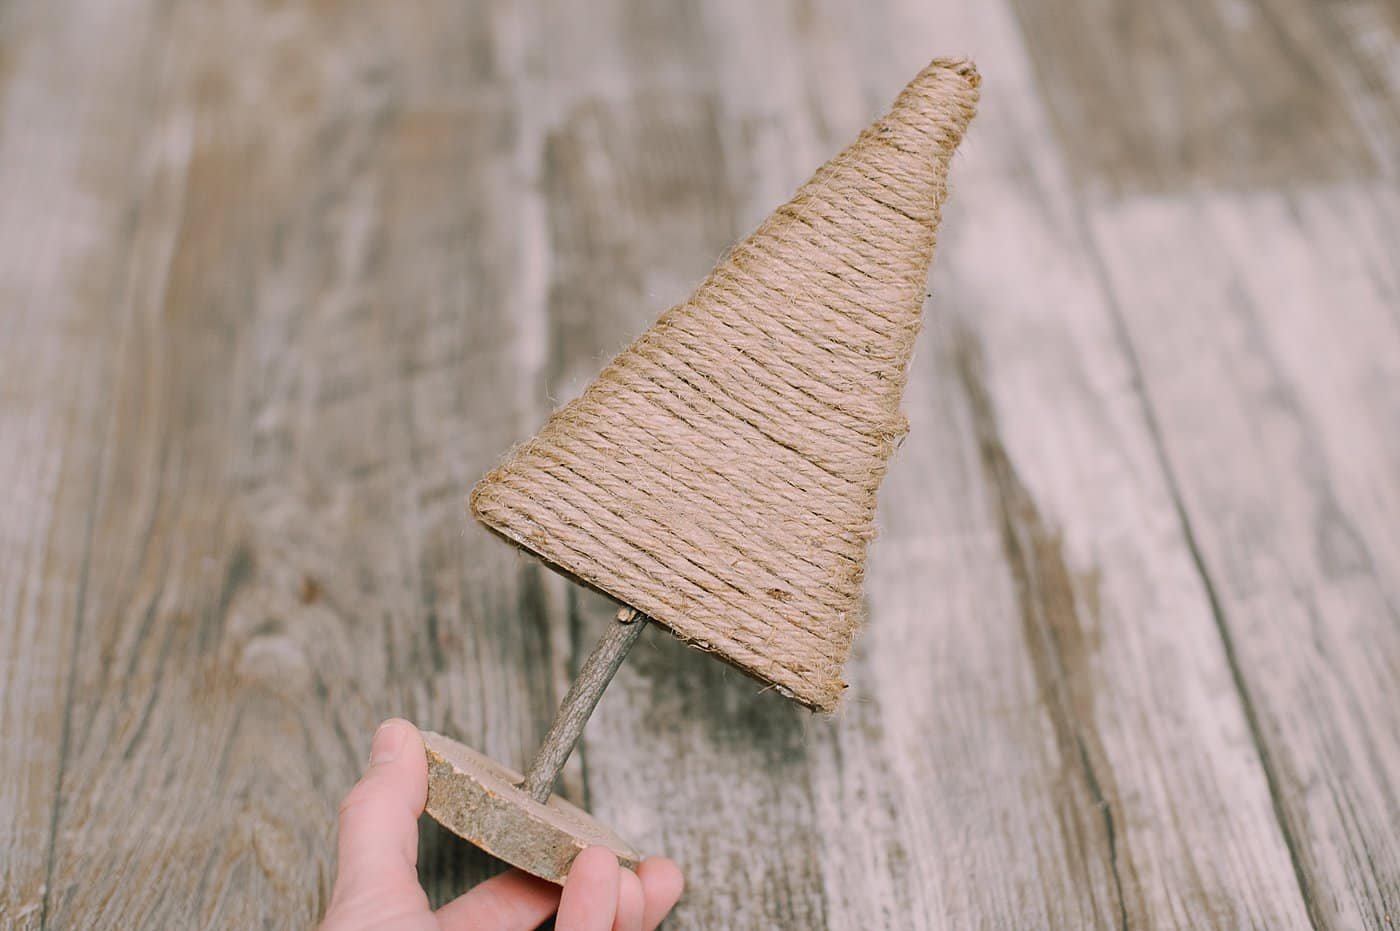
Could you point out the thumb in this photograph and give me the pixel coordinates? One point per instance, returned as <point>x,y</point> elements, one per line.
<point>378,845</point>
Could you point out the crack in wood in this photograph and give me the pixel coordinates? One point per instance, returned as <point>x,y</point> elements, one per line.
<point>1056,636</point>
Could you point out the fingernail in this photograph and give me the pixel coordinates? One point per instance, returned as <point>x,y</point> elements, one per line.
<point>387,743</point>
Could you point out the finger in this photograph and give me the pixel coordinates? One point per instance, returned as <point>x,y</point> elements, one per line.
<point>629,903</point>
<point>662,885</point>
<point>589,899</point>
<point>512,901</point>
<point>378,843</point>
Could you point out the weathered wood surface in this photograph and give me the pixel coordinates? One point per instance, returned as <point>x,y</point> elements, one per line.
<point>278,282</point>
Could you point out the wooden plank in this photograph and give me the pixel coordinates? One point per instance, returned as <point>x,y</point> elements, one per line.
<point>71,109</point>
<point>683,756</point>
<point>338,344</point>
<point>1005,759</point>
<point>1266,331</point>
<point>686,756</point>
<point>1201,93</point>
<point>1366,57</point>
<point>1085,570</point>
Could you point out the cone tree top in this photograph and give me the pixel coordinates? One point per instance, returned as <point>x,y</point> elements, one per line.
<point>720,473</point>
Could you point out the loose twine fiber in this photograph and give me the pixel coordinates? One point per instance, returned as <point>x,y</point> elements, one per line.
<point>720,474</point>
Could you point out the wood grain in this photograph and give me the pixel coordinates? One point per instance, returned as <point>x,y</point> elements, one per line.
<point>1202,93</point>
<point>62,302</point>
<point>279,282</point>
<point>1294,527</point>
<point>278,527</point>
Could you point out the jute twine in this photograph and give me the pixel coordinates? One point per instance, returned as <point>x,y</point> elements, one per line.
<point>720,474</point>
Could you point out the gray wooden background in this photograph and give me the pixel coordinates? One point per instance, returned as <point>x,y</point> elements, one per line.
<point>278,281</point>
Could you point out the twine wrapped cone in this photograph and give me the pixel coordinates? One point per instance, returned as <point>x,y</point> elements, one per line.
<point>720,474</point>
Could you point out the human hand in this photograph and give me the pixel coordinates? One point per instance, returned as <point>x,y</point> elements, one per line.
<point>376,883</point>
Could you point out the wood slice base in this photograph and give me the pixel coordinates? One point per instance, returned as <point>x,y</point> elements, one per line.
<point>480,800</point>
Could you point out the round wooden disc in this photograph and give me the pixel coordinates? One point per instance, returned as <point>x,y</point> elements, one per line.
<point>478,799</point>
